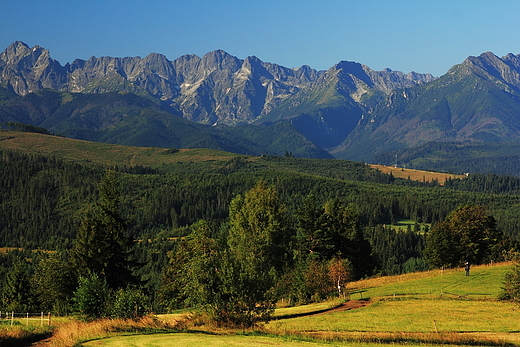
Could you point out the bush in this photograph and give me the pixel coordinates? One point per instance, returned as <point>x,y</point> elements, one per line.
<point>129,303</point>
<point>91,297</point>
<point>511,289</point>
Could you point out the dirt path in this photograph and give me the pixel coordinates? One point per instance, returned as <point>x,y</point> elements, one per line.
<point>349,305</point>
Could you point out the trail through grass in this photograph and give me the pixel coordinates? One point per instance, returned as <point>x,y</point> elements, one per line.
<point>420,306</point>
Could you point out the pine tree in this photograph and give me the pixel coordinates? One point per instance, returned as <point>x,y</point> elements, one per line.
<point>101,245</point>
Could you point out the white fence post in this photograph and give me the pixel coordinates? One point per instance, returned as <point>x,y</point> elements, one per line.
<point>28,316</point>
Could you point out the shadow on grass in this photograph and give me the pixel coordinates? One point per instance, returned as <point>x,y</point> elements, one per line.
<point>23,341</point>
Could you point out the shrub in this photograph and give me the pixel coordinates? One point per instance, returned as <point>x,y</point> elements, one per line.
<point>129,303</point>
<point>511,289</point>
<point>91,297</point>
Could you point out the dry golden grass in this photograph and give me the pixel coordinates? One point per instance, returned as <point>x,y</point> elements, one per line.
<point>74,332</point>
<point>407,338</point>
<point>416,175</point>
<point>18,336</point>
<point>4,250</point>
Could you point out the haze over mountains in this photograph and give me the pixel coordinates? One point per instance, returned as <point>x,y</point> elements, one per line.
<point>248,106</point>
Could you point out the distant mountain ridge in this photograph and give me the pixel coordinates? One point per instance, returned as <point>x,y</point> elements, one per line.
<point>215,89</point>
<point>349,110</point>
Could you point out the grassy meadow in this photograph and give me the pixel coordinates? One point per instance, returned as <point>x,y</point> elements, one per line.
<point>421,309</point>
<point>420,306</point>
<point>416,175</point>
<point>104,153</point>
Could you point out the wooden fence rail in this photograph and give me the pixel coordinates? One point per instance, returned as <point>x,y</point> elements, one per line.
<point>26,317</point>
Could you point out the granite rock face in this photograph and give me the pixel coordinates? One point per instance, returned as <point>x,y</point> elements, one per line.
<point>24,69</point>
<point>217,88</point>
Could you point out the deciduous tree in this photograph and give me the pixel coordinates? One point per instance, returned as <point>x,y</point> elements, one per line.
<point>468,233</point>
<point>54,282</point>
<point>511,289</point>
<point>91,298</point>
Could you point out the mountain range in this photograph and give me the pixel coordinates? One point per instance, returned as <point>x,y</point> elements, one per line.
<point>248,106</point>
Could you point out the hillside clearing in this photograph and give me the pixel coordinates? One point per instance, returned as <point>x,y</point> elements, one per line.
<point>416,175</point>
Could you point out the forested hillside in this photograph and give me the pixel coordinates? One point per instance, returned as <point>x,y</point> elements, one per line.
<point>458,157</point>
<point>168,196</point>
<point>328,209</point>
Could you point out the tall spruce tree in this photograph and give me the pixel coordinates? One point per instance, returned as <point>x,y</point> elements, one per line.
<point>101,245</point>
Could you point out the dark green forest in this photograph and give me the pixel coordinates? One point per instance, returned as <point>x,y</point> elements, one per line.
<point>458,157</point>
<point>330,217</point>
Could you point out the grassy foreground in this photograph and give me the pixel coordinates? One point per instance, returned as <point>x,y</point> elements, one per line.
<point>422,309</point>
<point>429,307</point>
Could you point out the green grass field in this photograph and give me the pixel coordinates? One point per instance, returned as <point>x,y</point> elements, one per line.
<point>199,339</point>
<point>421,309</point>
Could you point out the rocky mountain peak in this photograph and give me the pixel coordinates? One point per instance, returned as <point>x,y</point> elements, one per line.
<point>24,69</point>
<point>220,60</point>
<point>505,71</point>
<point>15,49</point>
<point>385,81</point>
<point>255,66</point>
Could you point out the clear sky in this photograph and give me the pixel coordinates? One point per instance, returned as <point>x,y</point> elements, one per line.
<point>404,35</point>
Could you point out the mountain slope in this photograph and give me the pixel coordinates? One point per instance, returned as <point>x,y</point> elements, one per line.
<point>478,101</point>
<point>128,119</point>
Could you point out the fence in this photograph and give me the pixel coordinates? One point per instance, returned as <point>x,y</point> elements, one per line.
<point>26,317</point>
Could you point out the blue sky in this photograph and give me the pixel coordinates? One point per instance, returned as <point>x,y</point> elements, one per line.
<point>408,35</point>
